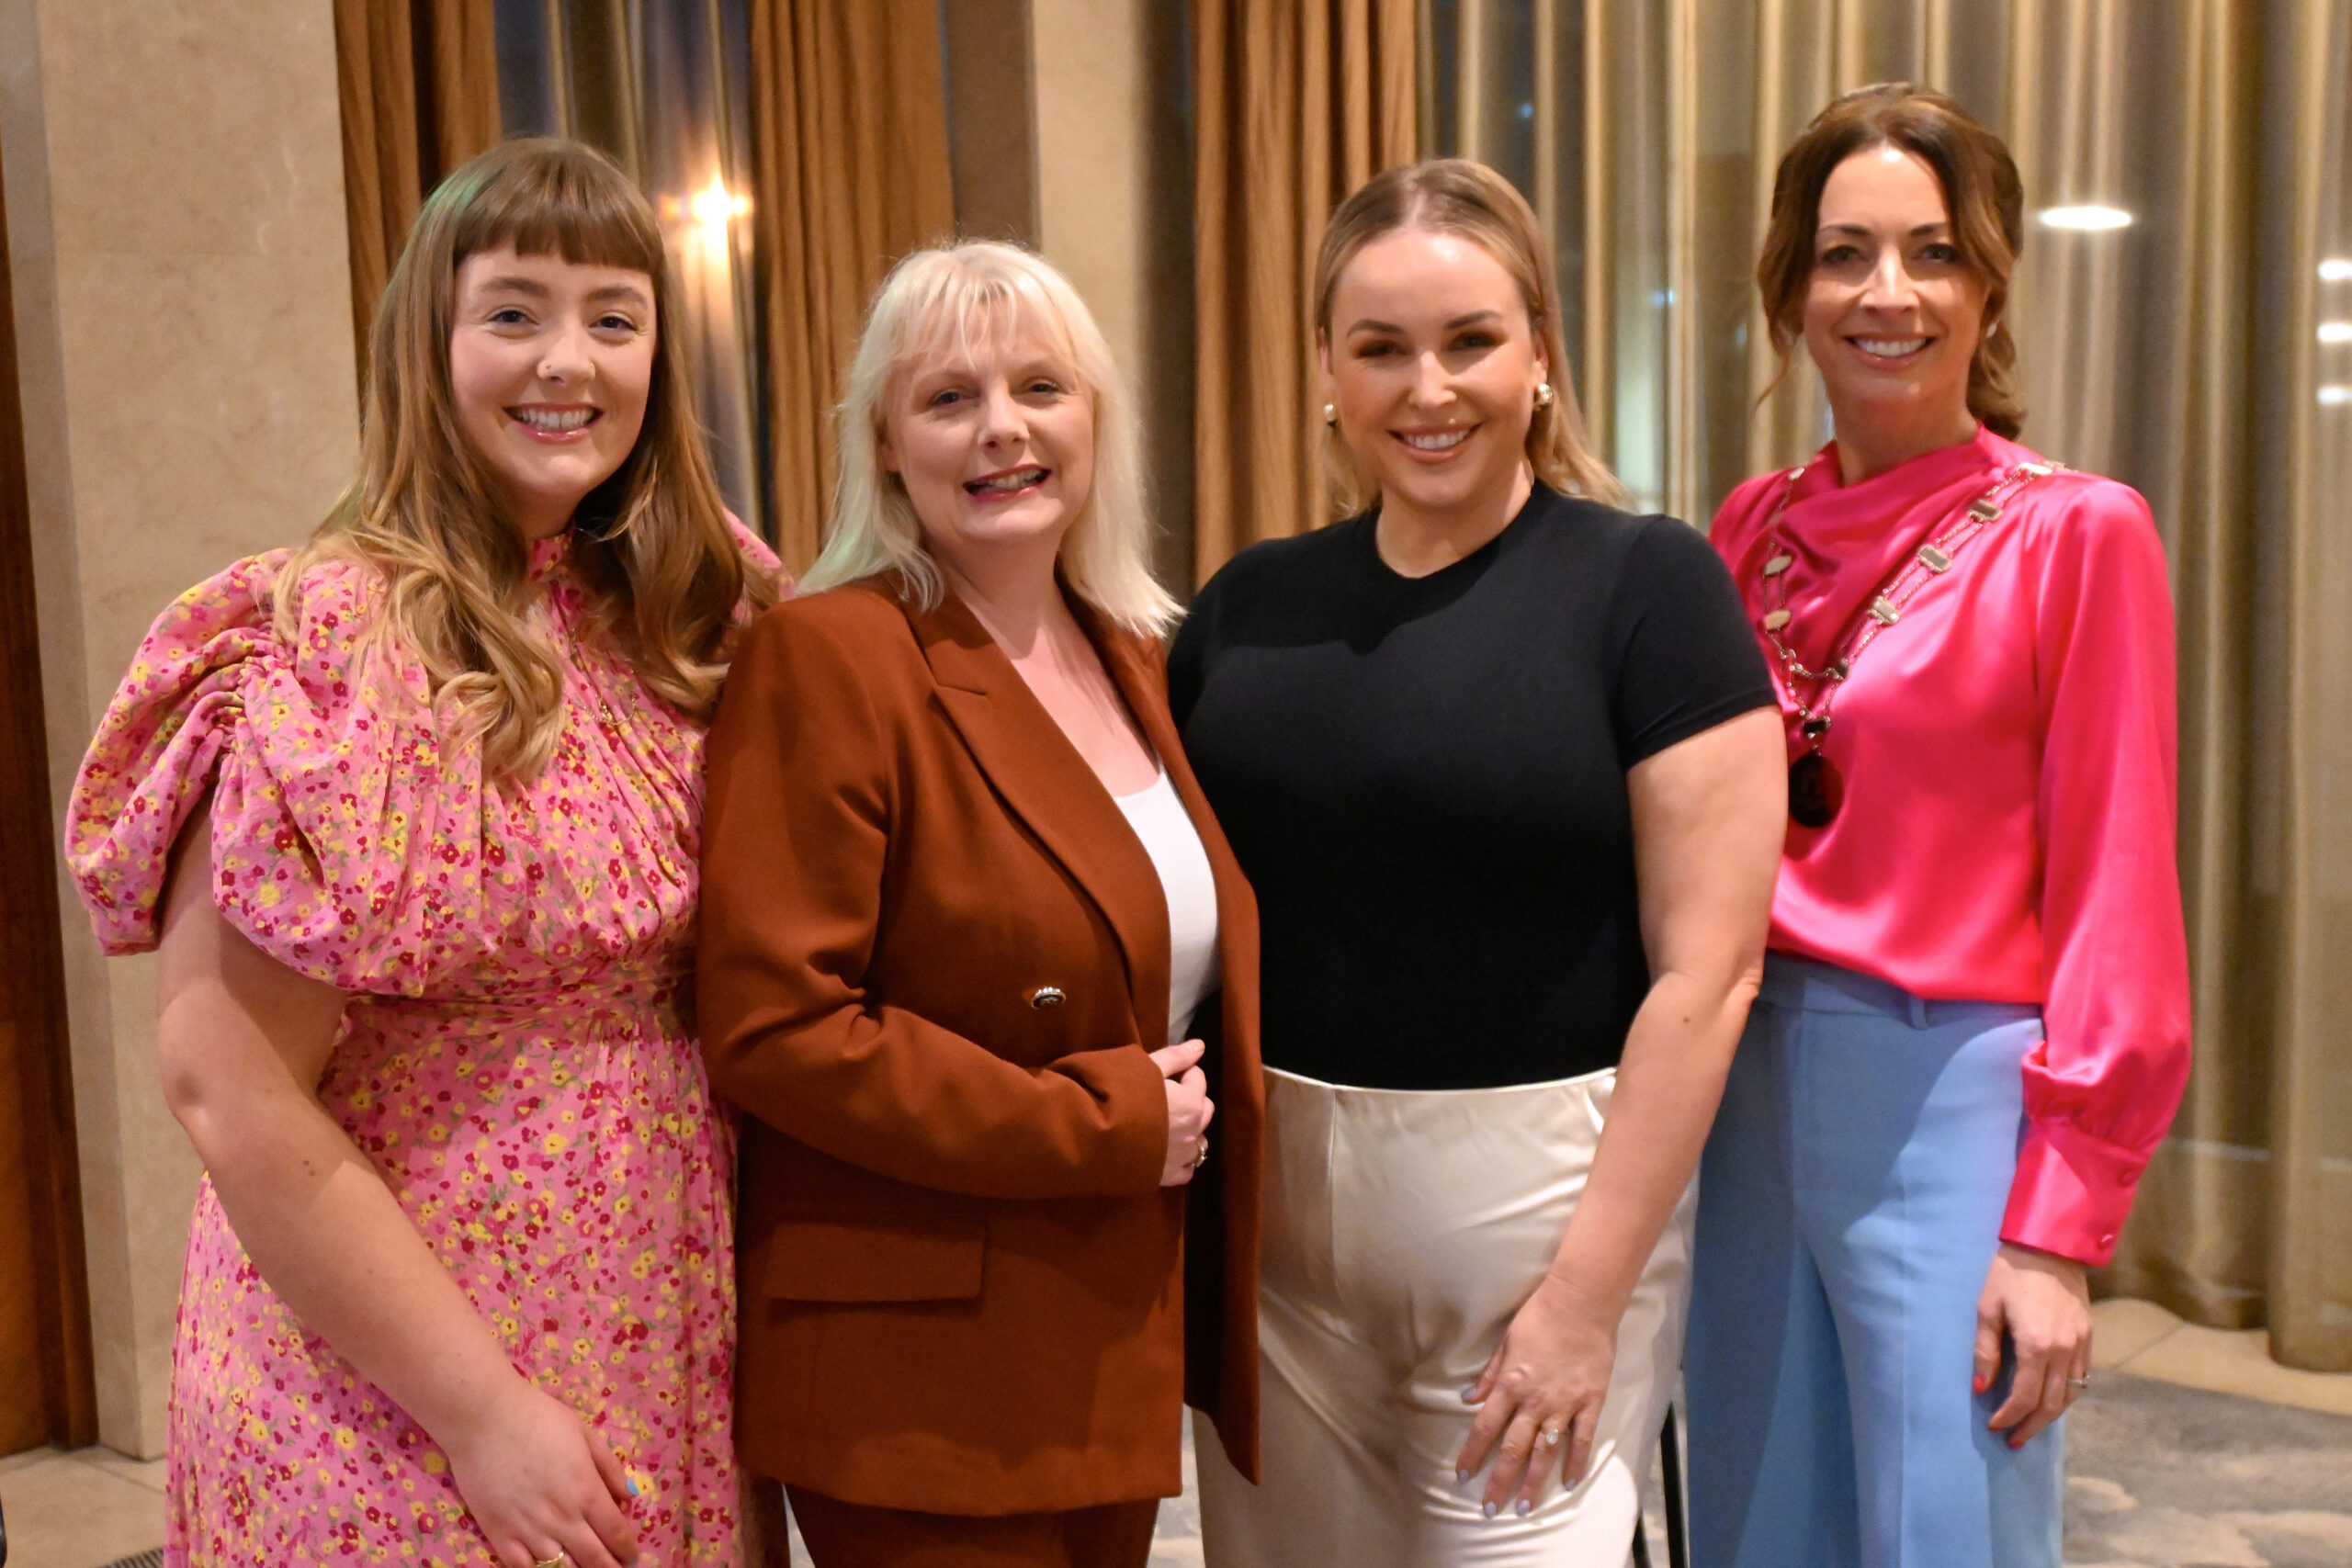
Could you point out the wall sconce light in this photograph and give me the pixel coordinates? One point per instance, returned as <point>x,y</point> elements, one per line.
<point>2336,331</point>
<point>714,205</point>
<point>2334,397</point>
<point>2336,270</point>
<point>2086,218</point>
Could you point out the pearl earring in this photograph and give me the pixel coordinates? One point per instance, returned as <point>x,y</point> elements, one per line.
<point>1543,395</point>
<point>1332,416</point>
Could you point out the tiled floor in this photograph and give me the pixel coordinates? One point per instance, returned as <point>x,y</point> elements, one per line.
<point>87,1508</point>
<point>82,1510</point>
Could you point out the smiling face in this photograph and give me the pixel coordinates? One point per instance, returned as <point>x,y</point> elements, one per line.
<point>994,439</point>
<point>1892,312</point>
<point>1432,364</point>
<point>551,363</point>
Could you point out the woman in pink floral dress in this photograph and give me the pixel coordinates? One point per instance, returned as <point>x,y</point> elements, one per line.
<point>459,1289</point>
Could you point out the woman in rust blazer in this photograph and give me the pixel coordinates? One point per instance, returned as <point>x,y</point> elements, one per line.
<point>961,895</point>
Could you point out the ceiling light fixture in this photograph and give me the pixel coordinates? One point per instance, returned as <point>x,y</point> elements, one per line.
<point>2089,218</point>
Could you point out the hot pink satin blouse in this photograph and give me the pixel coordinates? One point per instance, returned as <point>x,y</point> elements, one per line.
<point>2007,828</point>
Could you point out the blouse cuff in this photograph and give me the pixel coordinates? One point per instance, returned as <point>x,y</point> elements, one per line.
<point>2071,1193</point>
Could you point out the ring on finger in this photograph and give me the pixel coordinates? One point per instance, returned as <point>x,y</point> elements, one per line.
<point>562,1559</point>
<point>1548,1436</point>
<point>2079,1385</point>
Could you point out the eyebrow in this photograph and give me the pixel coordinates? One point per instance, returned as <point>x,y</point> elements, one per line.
<point>1473,319</point>
<point>539,291</point>
<point>1919,231</point>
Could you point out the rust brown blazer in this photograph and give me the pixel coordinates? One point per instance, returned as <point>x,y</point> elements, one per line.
<point>962,1289</point>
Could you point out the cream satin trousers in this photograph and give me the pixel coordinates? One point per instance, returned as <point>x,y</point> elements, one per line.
<point>1402,1232</point>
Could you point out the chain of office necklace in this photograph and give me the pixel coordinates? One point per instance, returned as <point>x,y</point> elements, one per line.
<point>1814,790</point>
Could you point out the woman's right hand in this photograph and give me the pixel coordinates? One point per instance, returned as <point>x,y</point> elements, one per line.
<point>539,1482</point>
<point>1189,1109</point>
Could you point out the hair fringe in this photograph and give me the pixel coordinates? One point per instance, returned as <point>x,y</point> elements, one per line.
<point>964,291</point>
<point>659,564</point>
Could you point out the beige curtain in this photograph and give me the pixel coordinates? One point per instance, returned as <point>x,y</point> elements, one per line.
<point>1297,102</point>
<point>419,85</point>
<point>850,172</point>
<point>2186,353</point>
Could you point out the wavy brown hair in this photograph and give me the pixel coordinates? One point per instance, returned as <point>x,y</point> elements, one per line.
<point>651,545</point>
<point>1981,194</point>
<point>1459,196</point>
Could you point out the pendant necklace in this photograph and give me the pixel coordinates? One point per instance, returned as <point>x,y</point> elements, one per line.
<point>1816,788</point>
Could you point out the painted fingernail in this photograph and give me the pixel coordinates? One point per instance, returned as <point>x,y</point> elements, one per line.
<point>1488,1510</point>
<point>1523,1506</point>
<point>1983,1383</point>
<point>1460,1475</point>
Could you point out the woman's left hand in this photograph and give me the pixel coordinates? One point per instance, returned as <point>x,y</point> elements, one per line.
<point>1540,1397</point>
<point>2042,1303</point>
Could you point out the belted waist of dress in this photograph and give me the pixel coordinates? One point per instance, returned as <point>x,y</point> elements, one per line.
<point>620,990</point>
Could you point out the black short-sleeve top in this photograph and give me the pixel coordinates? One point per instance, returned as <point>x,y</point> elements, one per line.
<point>1425,780</point>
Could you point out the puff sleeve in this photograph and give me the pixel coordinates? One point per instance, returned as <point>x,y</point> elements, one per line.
<point>347,840</point>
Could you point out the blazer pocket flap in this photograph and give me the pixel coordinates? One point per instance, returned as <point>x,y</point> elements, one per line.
<point>885,1258</point>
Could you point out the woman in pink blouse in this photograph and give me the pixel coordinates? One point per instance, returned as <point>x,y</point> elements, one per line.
<point>1974,1027</point>
<point>412,812</point>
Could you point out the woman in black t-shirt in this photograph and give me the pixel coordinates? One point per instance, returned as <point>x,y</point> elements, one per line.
<point>1503,766</point>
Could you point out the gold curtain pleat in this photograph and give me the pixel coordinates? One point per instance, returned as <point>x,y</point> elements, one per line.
<point>2181,353</point>
<point>419,87</point>
<point>1297,102</point>
<point>849,125</point>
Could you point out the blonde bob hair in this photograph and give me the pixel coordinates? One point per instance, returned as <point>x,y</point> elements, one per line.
<point>651,545</point>
<point>1459,196</point>
<point>947,299</point>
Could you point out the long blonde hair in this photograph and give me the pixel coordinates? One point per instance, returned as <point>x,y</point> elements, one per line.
<point>958,295</point>
<point>1456,196</point>
<point>651,545</point>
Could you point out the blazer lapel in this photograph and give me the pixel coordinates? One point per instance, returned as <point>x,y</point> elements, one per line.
<point>1040,776</point>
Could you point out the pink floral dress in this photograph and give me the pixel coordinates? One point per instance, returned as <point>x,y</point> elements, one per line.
<point>513,1056</point>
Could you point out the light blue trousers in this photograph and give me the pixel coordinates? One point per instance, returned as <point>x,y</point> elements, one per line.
<point>1849,1205</point>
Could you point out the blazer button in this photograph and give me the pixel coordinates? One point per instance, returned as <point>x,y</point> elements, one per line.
<point>1046,996</point>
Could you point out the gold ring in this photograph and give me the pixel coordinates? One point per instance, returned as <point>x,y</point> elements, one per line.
<point>2078,1382</point>
<point>1201,1157</point>
<point>562,1559</point>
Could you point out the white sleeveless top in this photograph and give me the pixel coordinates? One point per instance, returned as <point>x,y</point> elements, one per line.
<point>1159,820</point>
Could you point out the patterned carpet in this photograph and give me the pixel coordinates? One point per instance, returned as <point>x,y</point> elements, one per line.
<point>2158,1476</point>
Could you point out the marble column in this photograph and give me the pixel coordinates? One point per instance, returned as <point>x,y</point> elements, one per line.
<point>176,225</point>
